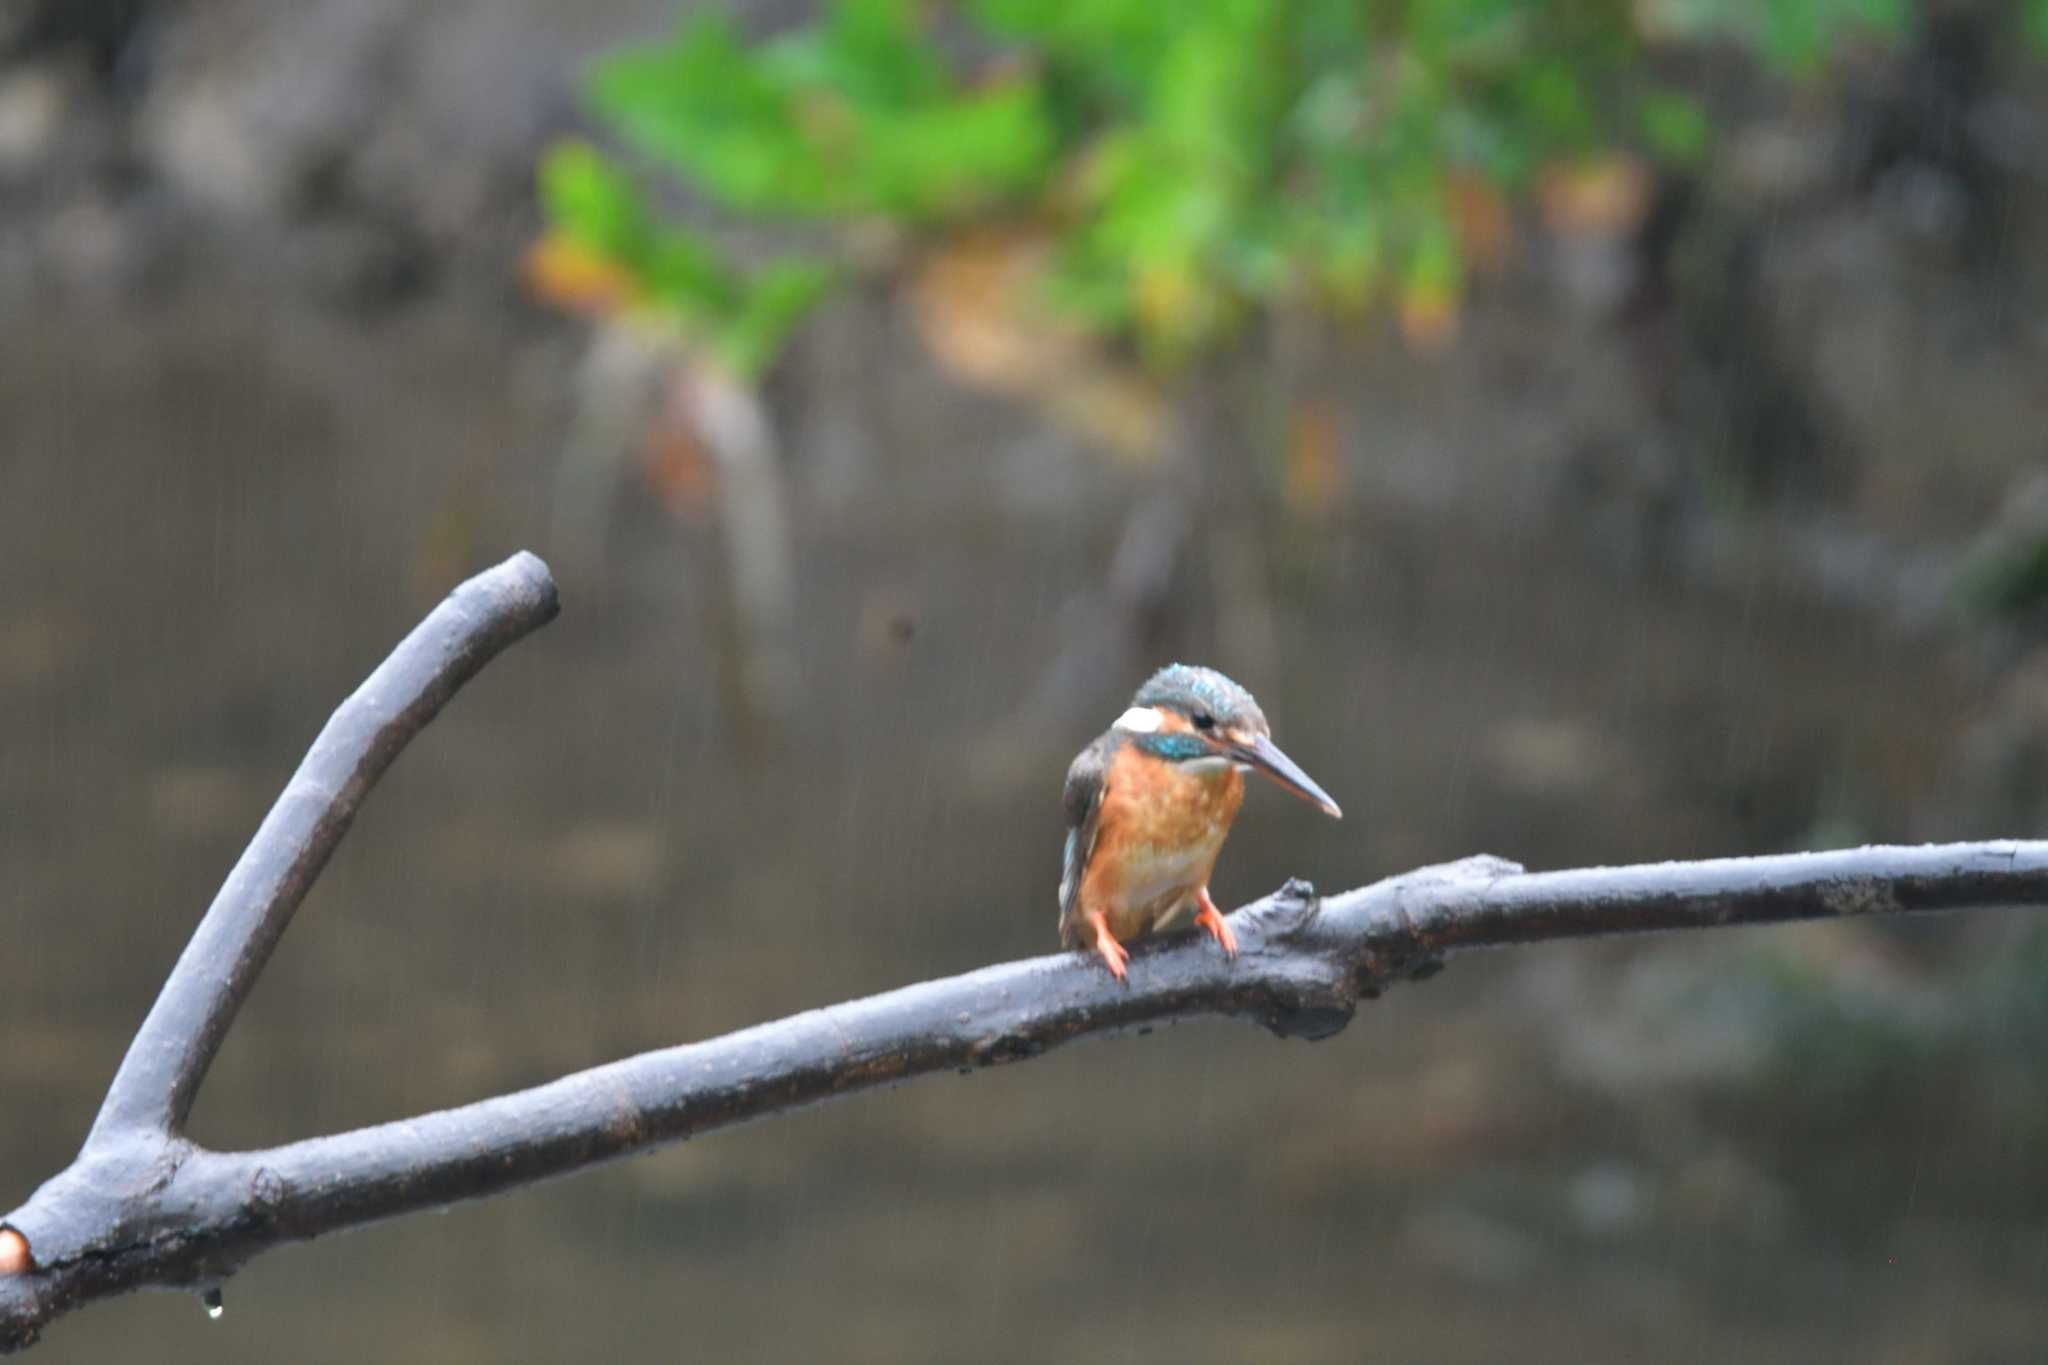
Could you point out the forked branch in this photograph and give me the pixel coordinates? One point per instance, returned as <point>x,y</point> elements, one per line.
<point>160,1076</point>
<point>144,1206</point>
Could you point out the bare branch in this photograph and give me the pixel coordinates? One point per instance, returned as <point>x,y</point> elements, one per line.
<point>160,1076</point>
<point>1511,907</point>
<point>144,1207</point>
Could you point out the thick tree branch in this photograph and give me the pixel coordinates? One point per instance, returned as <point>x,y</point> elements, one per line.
<point>160,1076</point>
<point>142,1206</point>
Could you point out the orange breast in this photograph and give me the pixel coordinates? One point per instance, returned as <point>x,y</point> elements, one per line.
<point>1160,829</point>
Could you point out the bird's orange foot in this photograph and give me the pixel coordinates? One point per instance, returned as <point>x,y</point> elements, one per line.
<point>1211,920</point>
<point>1114,955</point>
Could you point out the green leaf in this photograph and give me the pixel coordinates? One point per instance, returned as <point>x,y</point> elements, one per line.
<point>952,158</point>
<point>2006,579</point>
<point>2034,22</point>
<point>1196,160</point>
<point>1676,127</point>
<point>778,299</point>
<point>874,52</point>
<point>1553,97</point>
<point>685,272</point>
<point>1435,265</point>
<point>713,108</point>
<point>590,199</point>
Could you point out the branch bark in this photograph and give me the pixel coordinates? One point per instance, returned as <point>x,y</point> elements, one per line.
<point>143,1206</point>
<point>160,1076</point>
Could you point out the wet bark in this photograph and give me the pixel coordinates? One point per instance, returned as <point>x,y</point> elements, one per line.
<point>143,1206</point>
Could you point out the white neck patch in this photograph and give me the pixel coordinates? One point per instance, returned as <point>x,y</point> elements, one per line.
<point>1141,720</point>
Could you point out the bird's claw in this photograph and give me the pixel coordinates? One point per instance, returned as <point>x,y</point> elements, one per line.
<point>1212,922</point>
<point>1113,954</point>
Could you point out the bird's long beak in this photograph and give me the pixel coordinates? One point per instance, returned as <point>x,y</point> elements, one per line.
<point>1263,754</point>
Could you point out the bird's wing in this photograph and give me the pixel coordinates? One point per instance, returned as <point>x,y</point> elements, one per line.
<point>1087,780</point>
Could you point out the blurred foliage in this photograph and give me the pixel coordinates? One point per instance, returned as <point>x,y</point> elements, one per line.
<point>1861,1029</point>
<point>1188,164</point>
<point>2005,579</point>
<point>2004,575</point>
<point>2009,998</point>
<point>609,251</point>
<point>1843,1045</point>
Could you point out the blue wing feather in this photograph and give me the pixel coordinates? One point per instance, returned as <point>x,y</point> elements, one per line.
<point>1086,782</point>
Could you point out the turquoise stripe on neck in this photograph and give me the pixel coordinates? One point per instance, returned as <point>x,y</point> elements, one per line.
<point>1174,748</point>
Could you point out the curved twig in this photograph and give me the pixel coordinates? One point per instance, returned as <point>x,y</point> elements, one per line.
<point>142,1206</point>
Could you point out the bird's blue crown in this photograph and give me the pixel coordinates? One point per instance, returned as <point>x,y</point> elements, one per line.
<point>1194,692</point>
<point>1191,689</point>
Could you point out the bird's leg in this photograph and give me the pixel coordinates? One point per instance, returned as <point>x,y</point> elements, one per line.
<point>1114,955</point>
<point>1211,920</point>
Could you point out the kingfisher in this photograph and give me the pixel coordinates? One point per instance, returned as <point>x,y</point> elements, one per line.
<point>1149,804</point>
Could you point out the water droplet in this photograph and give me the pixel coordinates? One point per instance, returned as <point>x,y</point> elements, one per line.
<point>214,1307</point>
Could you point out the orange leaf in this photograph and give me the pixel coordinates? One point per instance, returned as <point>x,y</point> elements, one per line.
<point>1315,461</point>
<point>1429,316</point>
<point>972,300</point>
<point>1607,196</point>
<point>675,462</point>
<point>1479,215</point>
<point>979,303</point>
<point>571,276</point>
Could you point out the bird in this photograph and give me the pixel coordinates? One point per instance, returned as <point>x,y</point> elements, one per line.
<point>1148,805</point>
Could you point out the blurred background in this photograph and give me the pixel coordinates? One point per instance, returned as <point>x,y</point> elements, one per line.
<point>1604,432</point>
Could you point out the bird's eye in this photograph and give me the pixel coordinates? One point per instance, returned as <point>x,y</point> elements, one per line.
<point>1204,721</point>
